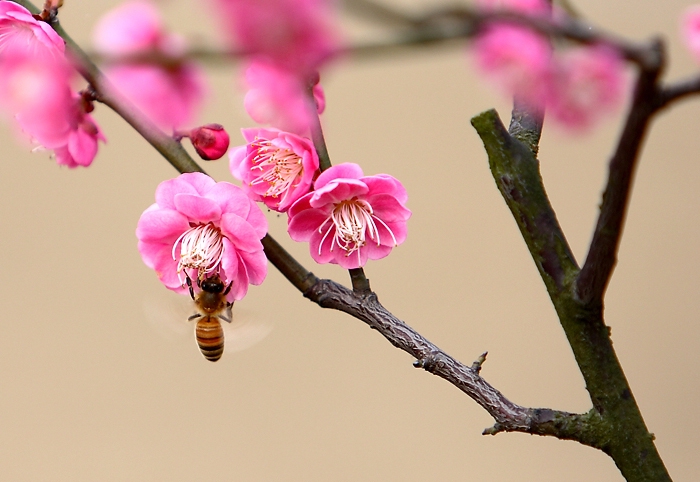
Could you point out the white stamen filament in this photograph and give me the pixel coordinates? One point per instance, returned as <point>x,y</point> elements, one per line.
<point>201,248</point>
<point>279,167</point>
<point>353,220</point>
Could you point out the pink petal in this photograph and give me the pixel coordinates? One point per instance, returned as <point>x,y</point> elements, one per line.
<point>305,223</point>
<point>388,209</point>
<point>256,265</point>
<point>161,226</point>
<point>383,183</point>
<point>347,170</point>
<point>197,208</point>
<point>240,233</point>
<point>230,199</point>
<point>338,190</point>
<point>166,191</point>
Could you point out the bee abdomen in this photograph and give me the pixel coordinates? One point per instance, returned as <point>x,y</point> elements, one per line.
<point>210,338</point>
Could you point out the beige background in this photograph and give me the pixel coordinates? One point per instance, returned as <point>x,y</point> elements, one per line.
<point>91,391</point>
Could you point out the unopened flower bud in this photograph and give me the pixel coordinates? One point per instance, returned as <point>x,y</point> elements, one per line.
<point>210,141</point>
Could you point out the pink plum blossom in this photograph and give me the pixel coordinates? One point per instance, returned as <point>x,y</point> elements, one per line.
<point>587,83</point>
<point>517,59</point>
<point>211,141</point>
<point>349,217</point>
<point>278,96</point>
<point>199,228</point>
<point>276,167</point>
<point>690,29</point>
<point>298,35</point>
<point>170,92</point>
<point>21,34</point>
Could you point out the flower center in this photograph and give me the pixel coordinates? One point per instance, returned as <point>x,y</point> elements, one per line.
<point>354,221</point>
<point>201,248</point>
<point>278,167</point>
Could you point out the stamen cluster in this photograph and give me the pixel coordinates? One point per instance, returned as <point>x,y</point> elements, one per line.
<point>198,227</point>
<point>276,167</point>
<point>350,218</point>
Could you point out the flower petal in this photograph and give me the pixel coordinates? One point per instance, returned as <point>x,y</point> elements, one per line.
<point>197,208</point>
<point>240,233</point>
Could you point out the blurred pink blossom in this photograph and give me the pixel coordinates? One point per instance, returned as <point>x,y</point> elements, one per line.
<point>298,35</point>
<point>35,91</point>
<point>587,83</point>
<point>278,97</point>
<point>690,30</point>
<point>80,147</point>
<point>517,59</point>
<point>169,91</point>
<point>198,227</point>
<point>276,167</point>
<point>22,35</point>
<point>211,141</point>
<point>350,218</point>
<point>34,75</point>
<point>528,6</point>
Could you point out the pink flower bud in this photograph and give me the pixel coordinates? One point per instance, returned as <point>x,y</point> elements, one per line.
<point>210,141</point>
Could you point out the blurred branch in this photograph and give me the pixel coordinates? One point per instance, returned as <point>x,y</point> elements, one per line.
<point>602,255</point>
<point>432,28</point>
<point>380,13</point>
<point>678,91</point>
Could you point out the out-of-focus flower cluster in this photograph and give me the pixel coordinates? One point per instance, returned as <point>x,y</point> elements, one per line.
<point>577,86</point>
<point>285,43</point>
<point>147,66</point>
<point>35,88</point>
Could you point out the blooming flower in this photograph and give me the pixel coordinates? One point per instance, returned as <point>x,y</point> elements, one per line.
<point>276,167</point>
<point>211,141</point>
<point>587,83</point>
<point>170,92</point>
<point>278,96</point>
<point>197,228</point>
<point>350,218</point>
<point>298,35</point>
<point>690,30</point>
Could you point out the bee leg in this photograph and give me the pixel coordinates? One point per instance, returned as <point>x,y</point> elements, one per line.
<point>189,284</point>
<point>229,314</point>
<point>228,288</point>
<point>194,317</point>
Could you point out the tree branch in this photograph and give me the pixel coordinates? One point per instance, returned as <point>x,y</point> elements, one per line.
<point>602,254</point>
<point>509,417</point>
<point>516,172</point>
<point>621,433</point>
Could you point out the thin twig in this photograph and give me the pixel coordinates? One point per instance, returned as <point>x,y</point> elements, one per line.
<point>602,254</point>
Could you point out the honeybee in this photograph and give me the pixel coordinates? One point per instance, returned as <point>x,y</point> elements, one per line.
<point>211,307</point>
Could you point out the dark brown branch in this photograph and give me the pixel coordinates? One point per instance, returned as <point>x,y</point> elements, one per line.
<point>602,254</point>
<point>509,417</point>
<point>678,91</point>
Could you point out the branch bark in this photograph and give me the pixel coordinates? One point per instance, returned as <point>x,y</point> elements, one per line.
<point>622,433</point>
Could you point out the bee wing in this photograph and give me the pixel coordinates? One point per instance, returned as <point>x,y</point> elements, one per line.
<point>244,331</point>
<point>167,313</point>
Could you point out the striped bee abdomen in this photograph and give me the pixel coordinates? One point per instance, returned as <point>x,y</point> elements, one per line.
<point>210,337</point>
